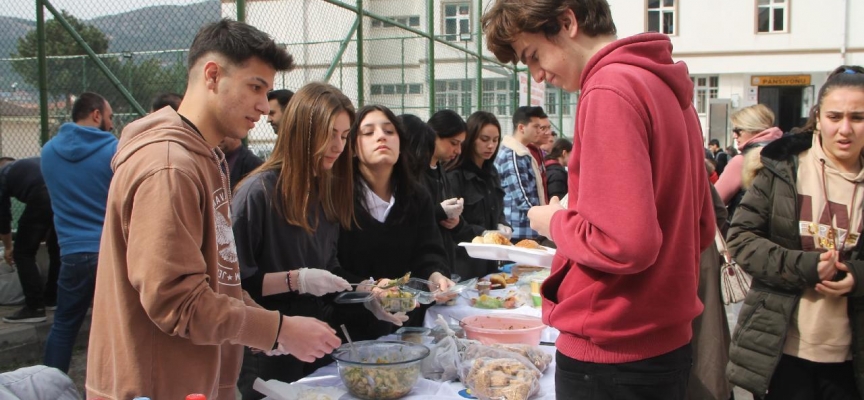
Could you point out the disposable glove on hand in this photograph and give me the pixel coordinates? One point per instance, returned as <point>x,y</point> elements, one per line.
<point>374,305</point>
<point>505,230</point>
<point>453,207</point>
<point>278,351</point>
<point>319,282</point>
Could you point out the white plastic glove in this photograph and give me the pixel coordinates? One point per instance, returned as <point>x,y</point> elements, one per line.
<point>453,207</point>
<point>505,230</point>
<point>374,305</point>
<point>319,282</point>
<point>278,351</point>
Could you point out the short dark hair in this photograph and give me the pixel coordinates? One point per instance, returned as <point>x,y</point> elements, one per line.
<point>524,114</point>
<point>714,142</point>
<point>283,96</point>
<point>85,104</point>
<point>167,99</point>
<point>507,18</point>
<point>447,124</point>
<point>238,42</point>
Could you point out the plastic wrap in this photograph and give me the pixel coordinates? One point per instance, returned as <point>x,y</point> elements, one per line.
<point>535,354</point>
<point>494,373</point>
<point>446,354</point>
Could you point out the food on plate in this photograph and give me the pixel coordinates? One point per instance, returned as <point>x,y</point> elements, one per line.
<point>529,244</point>
<point>492,302</point>
<point>478,240</point>
<point>398,301</point>
<point>495,237</point>
<point>504,378</point>
<point>501,280</point>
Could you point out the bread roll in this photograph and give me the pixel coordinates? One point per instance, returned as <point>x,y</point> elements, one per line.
<point>494,237</point>
<point>529,244</point>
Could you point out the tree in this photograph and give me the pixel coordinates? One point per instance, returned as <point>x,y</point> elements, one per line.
<point>144,77</point>
<point>64,75</point>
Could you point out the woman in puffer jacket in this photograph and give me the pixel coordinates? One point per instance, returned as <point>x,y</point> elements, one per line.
<point>752,128</point>
<point>800,333</point>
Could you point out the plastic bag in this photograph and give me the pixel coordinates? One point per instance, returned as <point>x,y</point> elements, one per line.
<point>10,286</point>
<point>444,358</point>
<point>493,373</point>
<point>537,356</point>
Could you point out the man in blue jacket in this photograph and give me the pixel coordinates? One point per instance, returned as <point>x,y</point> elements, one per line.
<point>76,165</point>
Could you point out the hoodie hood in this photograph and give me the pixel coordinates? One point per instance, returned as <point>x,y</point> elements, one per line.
<point>164,125</point>
<point>768,135</point>
<point>651,52</point>
<point>74,142</point>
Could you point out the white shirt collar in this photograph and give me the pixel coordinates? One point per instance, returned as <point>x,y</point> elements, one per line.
<point>376,206</point>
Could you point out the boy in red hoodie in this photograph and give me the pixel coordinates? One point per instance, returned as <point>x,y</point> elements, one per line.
<point>623,284</point>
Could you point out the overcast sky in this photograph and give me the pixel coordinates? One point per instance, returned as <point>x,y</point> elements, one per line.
<point>84,9</point>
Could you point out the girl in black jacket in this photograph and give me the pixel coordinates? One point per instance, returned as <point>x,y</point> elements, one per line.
<point>476,180</point>
<point>395,229</point>
<point>556,175</point>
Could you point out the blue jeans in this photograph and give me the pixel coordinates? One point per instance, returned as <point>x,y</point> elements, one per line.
<point>74,296</point>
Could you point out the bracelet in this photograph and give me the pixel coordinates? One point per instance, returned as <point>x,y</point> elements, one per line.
<point>291,288</point>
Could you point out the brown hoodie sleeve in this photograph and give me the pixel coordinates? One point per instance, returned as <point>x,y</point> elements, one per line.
<point>167,266</point>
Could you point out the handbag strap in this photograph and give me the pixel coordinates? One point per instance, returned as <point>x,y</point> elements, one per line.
<point>720,242</point>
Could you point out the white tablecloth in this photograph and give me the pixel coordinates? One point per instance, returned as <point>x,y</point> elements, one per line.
<point>425,389</point>
<point>453,314</point>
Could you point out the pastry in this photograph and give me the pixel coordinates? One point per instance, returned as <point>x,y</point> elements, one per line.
<point>495,237</point>
<point>529,244</point>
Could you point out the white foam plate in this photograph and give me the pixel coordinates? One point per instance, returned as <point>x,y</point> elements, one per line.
<point>539,257</point>
<point>486,251</point>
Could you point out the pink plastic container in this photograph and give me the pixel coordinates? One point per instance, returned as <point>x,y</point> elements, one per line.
<point>499,328</point>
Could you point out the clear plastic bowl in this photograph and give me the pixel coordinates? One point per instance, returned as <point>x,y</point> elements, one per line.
<point>403,303</point>
<point>376,369</point>
<point>425,291</point>
<point>501,328</point>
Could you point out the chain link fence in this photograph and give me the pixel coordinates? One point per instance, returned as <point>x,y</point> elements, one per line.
<point>413,56</point>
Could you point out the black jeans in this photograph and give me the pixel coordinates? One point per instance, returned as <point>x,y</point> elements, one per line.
<point>799,379</point>
<point>36,225</point>
<point>662,378</point>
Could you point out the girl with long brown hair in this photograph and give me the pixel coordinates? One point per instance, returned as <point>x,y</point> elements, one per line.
<point>287,215</point>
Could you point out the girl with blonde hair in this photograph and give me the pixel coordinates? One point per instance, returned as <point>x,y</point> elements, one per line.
<point>752,128</point>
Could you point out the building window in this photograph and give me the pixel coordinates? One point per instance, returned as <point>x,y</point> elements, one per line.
<point>552,107</point>
<point>413,21</point>
<point>661,16</point>
<point>704,88</point>
<point>457,21</point>
<point>454,95</point>
<point>497,96</point>
<point>772,15</point>
<point>387,89</point>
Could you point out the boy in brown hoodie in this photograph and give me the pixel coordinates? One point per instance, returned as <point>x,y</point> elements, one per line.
<point>169,315</point>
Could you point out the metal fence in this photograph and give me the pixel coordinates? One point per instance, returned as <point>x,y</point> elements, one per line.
<point>414,56</point>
